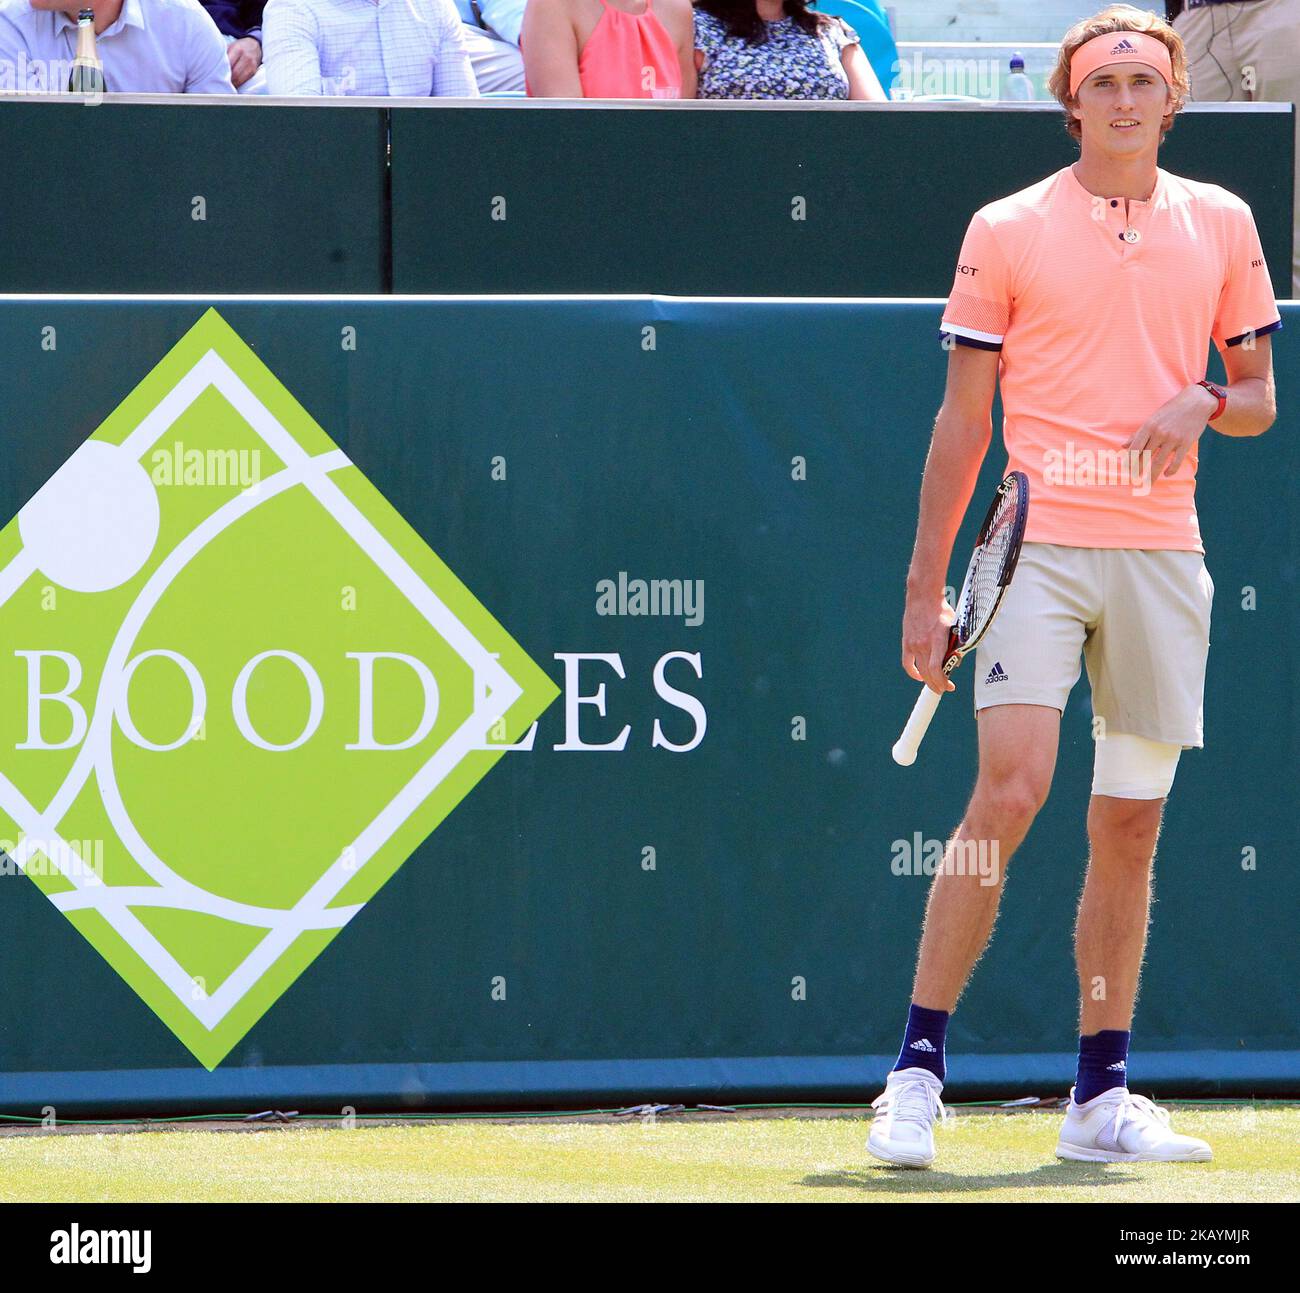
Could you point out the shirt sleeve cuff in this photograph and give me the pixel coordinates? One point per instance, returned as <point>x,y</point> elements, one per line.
<point>969,337</point>
<point>1275,326</point>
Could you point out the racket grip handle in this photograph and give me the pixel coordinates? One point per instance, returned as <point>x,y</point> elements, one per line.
<point>906,746</point>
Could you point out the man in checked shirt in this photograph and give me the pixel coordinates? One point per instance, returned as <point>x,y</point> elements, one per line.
<point>384,48</point>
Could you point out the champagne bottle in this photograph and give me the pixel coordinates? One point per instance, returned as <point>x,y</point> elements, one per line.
<point>87,71</point>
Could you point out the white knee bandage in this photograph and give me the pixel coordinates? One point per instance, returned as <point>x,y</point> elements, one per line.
<point>1132,767</point>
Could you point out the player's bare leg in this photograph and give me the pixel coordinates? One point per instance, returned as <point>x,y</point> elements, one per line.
<point>1017,756</point>
<point>1105,1122</point>
<point>1111,931</point>
<point>1018,746</point>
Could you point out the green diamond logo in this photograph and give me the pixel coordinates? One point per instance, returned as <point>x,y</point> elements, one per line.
<point>239,690</point>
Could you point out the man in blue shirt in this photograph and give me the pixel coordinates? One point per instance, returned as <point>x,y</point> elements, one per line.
<point>166,47</point>
<point>240,22</point>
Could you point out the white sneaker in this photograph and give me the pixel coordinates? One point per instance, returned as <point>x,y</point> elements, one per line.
<point>1120,1127</point>
<point>902,1131</point>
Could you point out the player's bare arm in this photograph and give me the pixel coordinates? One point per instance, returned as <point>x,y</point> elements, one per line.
<point>962,433</point>
<point>1168,435</point>
<point>1252,395</point>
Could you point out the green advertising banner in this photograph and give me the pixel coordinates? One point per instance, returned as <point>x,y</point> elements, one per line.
<point>410,703</point>
<point>210,539</point>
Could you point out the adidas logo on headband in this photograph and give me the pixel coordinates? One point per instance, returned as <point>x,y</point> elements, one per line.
<point>1124,47</point>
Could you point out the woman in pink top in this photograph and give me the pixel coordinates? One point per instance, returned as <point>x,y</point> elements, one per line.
<point>595,49</point>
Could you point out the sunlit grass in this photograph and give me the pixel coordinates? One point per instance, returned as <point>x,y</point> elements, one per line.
<point>981,1157</point>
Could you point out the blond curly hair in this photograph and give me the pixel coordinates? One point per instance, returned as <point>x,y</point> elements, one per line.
<point>1119,17</point>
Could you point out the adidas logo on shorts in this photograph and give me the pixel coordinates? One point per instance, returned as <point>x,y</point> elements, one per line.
<point>996,674</point>
<point>922,1045</point>
<point>1118,1067</point>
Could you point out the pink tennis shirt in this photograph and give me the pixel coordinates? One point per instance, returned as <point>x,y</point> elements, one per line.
<point>1097,331</point>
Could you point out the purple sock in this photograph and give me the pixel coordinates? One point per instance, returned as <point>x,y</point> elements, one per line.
<point>923,1041</point>
<point>1103,1063</point>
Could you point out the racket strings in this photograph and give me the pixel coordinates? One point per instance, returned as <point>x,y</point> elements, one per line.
<point>987,574</point>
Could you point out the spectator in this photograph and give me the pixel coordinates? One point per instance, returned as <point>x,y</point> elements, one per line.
<point>1246,51</point>
<point>594,49</point>
<point>403,48</point>
<point>766,49</point>
<point>166,47</point>
<point>491,31</point>
<point>240,22</point>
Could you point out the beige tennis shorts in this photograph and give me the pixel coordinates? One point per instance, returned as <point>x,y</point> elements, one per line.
<point>1141,620</point>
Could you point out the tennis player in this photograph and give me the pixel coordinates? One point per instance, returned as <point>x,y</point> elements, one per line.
<point>1092,296</point>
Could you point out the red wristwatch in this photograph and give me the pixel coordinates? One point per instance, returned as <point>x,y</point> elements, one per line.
<point>1220,393</point>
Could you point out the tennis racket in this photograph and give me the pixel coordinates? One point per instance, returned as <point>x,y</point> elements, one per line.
<point>987,577</point>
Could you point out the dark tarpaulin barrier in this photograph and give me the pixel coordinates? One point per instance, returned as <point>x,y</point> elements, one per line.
<point>228,195</point>
<point>178,196</point>
<point>857,200</point>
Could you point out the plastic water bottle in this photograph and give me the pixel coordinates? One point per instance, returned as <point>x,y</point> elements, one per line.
<point>1019,88</point>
